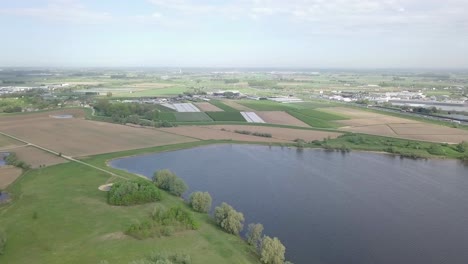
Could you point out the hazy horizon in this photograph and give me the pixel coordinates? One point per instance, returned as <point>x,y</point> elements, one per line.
<point>298,34</point>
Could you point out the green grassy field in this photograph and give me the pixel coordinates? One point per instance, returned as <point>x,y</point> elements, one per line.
<point>226,116</point>
<point>192,117</point>
<point>167,116</point>
<point>59,216</point>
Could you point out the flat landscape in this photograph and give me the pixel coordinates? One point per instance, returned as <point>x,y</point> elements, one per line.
<point>79,137</point>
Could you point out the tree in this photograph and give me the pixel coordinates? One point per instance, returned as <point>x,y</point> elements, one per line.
<point>201,201</point>
<point>229,219</point>
<point>272,251</point>
<point>254,234</point>
<point>168,181</point>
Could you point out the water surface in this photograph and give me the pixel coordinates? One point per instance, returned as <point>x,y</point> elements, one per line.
<point>333,208</point>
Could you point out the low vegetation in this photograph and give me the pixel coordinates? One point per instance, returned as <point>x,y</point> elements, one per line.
<point>258,134</point>
<point>133,192</point>
<point>163,222</point>
<point>166,180</point>
<point>200,202</point>
<point>165,258</point>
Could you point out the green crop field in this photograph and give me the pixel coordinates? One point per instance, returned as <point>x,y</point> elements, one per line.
<point>191,117</point>
<point>321,114</point>
<point>313,121</point>
<point>223,106</point>
<point>226,116</point>
<point>167,116</point>
<point>59,216</point>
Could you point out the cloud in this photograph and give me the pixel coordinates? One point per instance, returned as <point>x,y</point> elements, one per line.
<point>60,10</point>
<point>337,15</point>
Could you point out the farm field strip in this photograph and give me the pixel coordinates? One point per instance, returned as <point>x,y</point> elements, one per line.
<point>186,107</point>
<point>169,106</point>
<point>252,117</point>
<point>207,107</point>
<point>280,118</point>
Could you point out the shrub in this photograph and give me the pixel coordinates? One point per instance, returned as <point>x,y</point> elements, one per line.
<point>200,202</point>
<point>133,192</point>
<point>229,219</point>
<point>168,181</point>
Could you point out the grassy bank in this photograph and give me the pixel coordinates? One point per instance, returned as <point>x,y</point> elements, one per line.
<point>402,147</point>
<point>58,215</point>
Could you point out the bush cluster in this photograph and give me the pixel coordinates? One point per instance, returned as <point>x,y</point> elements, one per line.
<point>163,222</point>
<point>168,181</point>
<point>133,192</point>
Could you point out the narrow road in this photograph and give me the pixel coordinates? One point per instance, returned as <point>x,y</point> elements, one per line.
<point>63,156</point>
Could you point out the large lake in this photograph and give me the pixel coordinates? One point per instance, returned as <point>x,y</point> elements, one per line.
<point>333,208</point>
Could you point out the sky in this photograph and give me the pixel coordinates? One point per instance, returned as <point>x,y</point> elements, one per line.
<point>234,33</point>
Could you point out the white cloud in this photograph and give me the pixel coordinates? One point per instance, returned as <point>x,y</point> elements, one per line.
<point>61,10</point>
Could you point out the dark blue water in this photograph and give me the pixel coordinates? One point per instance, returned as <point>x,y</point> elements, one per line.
<point>333,208</point>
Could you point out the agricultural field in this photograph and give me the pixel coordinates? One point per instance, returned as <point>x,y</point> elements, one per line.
<point>207,107</point>
<point>7,142</point>
<point>252,117</point>
<point>226,116</point>
<point>224,106</point>
<point>191,117</point>
<point>237,106</point>
<point>280,118</point>
<point>8,174</point>
<point>379,124</point>
<point>79,137</point>
<point>36,157</point>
